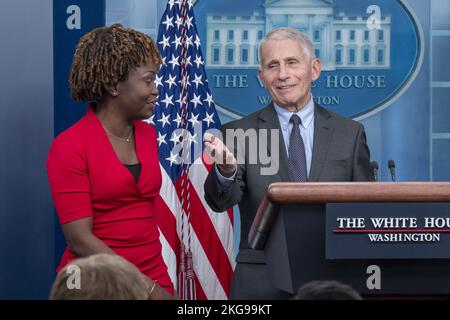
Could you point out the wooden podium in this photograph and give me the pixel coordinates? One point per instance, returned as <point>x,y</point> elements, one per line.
<point>290,227</point>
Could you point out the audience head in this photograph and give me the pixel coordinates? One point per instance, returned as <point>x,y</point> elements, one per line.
<point>100,277</point>
<point>326,290</point>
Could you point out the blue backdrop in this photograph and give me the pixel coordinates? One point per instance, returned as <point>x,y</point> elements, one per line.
<point>66,111</point>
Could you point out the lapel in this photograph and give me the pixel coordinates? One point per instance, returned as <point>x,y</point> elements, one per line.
<point>268,119</point>
<point>323,132</point>
<point>142,146</point>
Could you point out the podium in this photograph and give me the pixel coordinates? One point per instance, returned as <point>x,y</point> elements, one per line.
<point>294,227</point>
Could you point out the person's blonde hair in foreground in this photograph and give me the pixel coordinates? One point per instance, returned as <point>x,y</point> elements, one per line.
<point>102,277</point>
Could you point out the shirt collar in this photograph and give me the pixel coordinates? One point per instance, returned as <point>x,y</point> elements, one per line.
<point>306,114</point>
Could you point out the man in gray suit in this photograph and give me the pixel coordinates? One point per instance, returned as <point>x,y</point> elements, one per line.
<point>312,144</point>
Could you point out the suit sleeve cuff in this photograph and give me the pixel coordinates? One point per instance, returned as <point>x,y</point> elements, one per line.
<point>224,182</point>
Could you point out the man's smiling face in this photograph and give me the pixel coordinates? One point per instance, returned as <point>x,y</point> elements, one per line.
<point>287,72</point>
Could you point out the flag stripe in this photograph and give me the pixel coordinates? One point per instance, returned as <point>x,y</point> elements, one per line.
<point>210,241</point>
<point>202,265</point>
<point>169,257</point>
<point>166,221</point>
<point>206,274</point>
<point>220,220</point>
<point>200,293</point>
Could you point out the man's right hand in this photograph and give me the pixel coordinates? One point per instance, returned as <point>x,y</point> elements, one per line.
<point>224,159</point>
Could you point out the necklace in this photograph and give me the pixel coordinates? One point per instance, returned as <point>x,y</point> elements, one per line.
<point>123,139</point>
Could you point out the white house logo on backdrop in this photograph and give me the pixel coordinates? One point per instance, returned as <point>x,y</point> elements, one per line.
<point>332,36</point>
<point>370,50</point>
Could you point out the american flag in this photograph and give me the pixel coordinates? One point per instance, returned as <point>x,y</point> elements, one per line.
<point>197,242</point>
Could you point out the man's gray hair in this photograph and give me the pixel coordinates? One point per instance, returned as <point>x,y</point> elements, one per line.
<point>303,40</point>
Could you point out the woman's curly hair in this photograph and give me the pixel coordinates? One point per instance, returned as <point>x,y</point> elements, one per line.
<point>105,56</point>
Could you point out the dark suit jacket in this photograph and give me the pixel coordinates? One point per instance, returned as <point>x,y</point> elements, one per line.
<point>340,153</point>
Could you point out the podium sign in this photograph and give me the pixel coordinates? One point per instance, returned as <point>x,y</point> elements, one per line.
<point>387,231</point>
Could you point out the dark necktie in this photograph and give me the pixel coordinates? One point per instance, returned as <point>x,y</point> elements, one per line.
<point>297,157</point>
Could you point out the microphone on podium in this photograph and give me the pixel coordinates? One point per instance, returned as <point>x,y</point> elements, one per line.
<point>374,167</point>
<point>391,165</point>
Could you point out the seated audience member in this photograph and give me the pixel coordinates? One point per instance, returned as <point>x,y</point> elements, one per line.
<point>102,277</point>
<point>326,290</point>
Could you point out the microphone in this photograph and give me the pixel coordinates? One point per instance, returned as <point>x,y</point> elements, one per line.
<point>391,165</point>
<point>374,166</point>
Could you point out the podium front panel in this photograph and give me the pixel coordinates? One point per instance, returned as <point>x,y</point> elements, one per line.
<point>296,254</point>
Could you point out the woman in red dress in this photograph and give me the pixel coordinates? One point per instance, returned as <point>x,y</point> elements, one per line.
<point>104,171</point>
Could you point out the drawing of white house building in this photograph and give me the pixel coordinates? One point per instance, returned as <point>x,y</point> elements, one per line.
<point>340,41</point>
